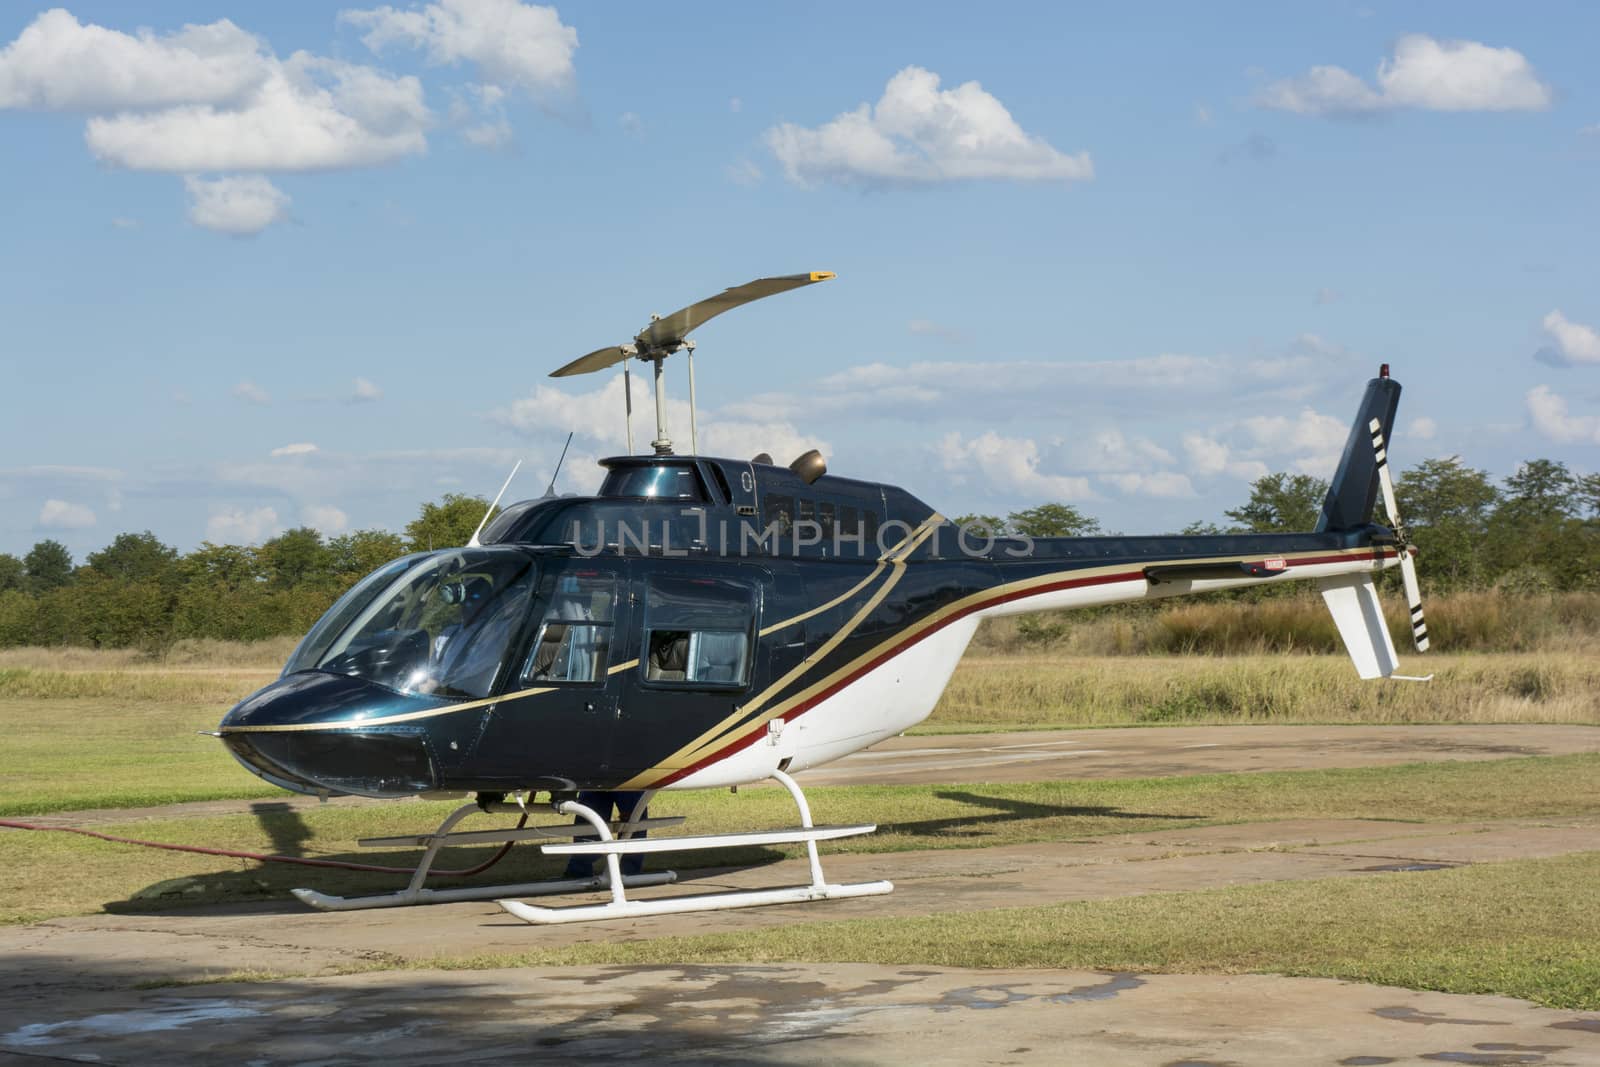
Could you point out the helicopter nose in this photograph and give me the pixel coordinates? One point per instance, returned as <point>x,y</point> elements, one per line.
<point>328,733</point>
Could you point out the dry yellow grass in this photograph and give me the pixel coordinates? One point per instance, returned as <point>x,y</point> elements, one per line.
<point>1041,690</point>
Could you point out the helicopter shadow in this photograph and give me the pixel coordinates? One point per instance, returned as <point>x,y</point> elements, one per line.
<point>263,888</point>
<point>1003,810</point>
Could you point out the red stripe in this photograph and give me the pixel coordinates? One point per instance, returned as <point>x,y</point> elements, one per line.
<point>898,646</point>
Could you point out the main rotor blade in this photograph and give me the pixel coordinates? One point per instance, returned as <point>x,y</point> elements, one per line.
<point>671,329</point>
<point>599,359</point>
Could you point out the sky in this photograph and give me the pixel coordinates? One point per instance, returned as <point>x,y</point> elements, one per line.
<point>294,264</point>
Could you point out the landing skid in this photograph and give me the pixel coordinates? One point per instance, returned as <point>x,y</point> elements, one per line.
<point>620,907</point>
<point>416,891</point>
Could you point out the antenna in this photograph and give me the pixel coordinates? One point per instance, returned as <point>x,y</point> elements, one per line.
<point>551,490</point>
<point>667,334</point>
<point>473,543</point>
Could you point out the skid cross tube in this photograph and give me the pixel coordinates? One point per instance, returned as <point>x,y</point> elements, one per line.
<point>620,907</point>
<point>416,891</point>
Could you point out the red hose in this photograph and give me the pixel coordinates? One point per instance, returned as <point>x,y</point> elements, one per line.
<point>262,857</point>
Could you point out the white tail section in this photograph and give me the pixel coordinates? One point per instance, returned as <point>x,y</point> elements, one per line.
<point>1356,612</point>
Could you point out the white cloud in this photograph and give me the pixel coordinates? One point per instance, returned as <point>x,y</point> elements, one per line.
<point>325,518</point>
<point>1313,439</point>
<point>1574,342</point>
<point>598,417</point>
<point>60,515</point>
<point>1163,484</point>
<point>735,105</point>
<point>60,64</point>
<point>480,112</point>
<point>209,99</point>
<point>631,124</point>
<point>309,114</point>
<point>122,222</point>
<point>1548,412</point>
<point>364,391</point>
<point>240,206</point>
<point>1209,456</point>
<point>1110,450</point>
<point>1009,465</point>
<point>299,448</point>
<point>1423,73</point>
<point>235,526</point>
<point>250,391</point>
<point>1423,428</point>
<point>919,133</point>
<point>511,43</point>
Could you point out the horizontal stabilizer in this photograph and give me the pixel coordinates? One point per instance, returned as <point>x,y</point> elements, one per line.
<point>1353,599</point>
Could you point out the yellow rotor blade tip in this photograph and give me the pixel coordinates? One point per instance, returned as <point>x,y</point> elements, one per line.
<point>821,275</point>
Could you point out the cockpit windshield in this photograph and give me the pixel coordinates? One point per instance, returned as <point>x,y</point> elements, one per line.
<point>442,626</point>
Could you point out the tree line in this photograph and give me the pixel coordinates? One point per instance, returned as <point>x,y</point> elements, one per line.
<point>1536,531</point>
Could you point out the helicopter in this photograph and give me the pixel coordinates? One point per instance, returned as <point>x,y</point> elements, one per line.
<point>707,622</point>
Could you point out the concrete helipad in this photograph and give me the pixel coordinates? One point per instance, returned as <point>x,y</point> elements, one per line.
<point>67,989</point>
<point>838,1013</point>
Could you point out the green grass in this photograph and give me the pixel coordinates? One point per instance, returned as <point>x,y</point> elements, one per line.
<point>32,865</point>
<point>1524,928</point>
<point>64,755</point>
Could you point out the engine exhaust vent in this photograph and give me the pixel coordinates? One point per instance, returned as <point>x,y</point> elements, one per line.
<point>809,466</point>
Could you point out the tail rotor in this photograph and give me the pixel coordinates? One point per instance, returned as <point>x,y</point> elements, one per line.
<point>1408,563</point>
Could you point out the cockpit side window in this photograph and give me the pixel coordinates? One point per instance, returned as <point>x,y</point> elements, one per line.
<point>574,640</point>
<point>697,632</point>
<point>444,627</point>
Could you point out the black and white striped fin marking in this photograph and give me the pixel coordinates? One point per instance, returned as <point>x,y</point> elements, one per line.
<point>1377,443</point>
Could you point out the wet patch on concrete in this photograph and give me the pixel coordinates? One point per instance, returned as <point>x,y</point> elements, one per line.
<point>1490,1058</point>
<point>172,1016</point>
<point>1590,1025</point>
<point>982,998</point>
<point>1410,866</point>
<point>1365,1061</point>
<point>1429,1018</point>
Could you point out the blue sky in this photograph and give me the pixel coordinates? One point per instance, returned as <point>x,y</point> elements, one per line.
<point>301,267</point>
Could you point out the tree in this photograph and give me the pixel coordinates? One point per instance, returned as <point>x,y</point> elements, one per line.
<point>982,525</point>
<point>12,572</point>
<point>228,566</point>
<point>1542,490</point>
<point>139,557</point>
<point>1446,506</point>
<point>447,524</point>
<point>354,555</point>
<point>48,565</point>
<point>295,557</point>
<point>1282,503</point>
<point>1052,520</point>
<point>1589,494</point>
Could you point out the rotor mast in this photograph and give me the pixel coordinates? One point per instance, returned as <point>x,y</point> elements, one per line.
<point>668,334</point>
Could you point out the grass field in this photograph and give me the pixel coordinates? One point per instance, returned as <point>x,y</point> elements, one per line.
<point>1524,928</point>
<point>909,817</point>
<point>107,729</point>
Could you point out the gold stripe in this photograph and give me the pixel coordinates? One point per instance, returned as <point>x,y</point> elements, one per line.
<point>715,736</point>
<point>673,763</point>
<point>427,713</point>
<point>819,609</point>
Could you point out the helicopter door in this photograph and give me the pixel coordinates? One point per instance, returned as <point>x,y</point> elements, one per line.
<point>697,656</point>
<point>563,728</point>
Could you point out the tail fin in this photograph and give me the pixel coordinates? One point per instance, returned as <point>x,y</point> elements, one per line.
<point>1354,489</point>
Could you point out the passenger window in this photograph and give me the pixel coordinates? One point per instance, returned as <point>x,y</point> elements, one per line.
<point>825,520</point>
<point>574,640</point>
<point>697,632</point>
<point>869,527</point>
<point>780,513</point>
<point>849,526</point>
<point>805,512</point>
